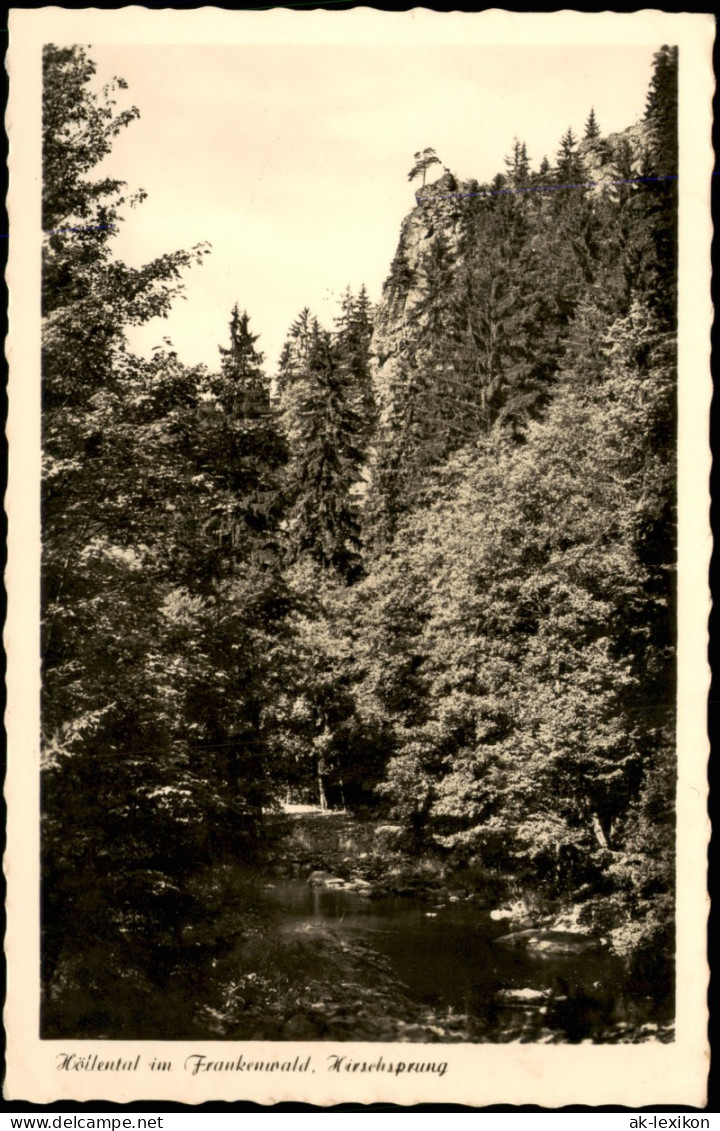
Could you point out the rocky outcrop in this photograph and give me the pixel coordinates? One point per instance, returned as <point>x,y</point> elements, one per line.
<point>617,157</point>
<point>550,942</point>
<point>440,208</point>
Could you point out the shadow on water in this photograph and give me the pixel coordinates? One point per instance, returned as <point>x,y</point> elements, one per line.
<point>447,960</point>
<point>278,959</point>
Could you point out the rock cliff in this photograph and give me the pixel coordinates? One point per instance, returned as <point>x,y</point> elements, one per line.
<point>441,208</point>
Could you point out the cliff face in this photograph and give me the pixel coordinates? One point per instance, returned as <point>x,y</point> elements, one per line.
<point>617,157</point>
<point>441,209</point>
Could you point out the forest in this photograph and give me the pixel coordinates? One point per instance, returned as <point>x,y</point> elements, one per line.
<point>395,617</point>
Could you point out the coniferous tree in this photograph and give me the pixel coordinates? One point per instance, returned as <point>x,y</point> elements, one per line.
<point>244,390</point>
<point>426,416</point>
<point>498,184</point>
<point>526,669</point>
<point>569,164</point>
<point>243,438</point>
<point>518,165</point>
<point>157,637</point>
<point>295,351</point>
<point>325,435</point>
<point>661,195</point>
<point>351,345</point>
<point>661,111</point>
<point>424,160</point>
<point>592,129</point>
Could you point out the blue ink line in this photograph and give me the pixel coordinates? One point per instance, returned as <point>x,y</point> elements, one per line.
<point>421,200</point>
<point>547,188</point>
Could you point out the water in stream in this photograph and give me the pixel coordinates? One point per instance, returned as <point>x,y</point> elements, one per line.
<point>448,961</point>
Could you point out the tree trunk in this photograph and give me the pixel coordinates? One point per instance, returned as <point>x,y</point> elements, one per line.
<point>321,792</point>
<point>599,831</point>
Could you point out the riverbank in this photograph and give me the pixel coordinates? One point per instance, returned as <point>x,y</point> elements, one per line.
<point>323,962</point>
<point>371,859</point>
<point>335,848</point>
<point>342,934</point>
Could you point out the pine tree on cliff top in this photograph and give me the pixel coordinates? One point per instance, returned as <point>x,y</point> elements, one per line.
<point>423,161</point>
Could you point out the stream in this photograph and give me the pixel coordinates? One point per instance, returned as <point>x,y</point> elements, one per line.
<point>447,960</point>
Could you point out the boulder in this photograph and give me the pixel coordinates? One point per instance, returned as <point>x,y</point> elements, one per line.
<point>388,832</point>
<point>524,996</point>
<point>360,886</point>
<point>517,914</point>
<point>578,945</point>
<point>319,877</point>
<point>550,942</point>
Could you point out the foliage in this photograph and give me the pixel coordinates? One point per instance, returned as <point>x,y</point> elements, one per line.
<point>538,626</point>
<point>569,163</point>
<point>328,411</point>
<point>592,129</point>
<point>520,607</point>
<point>163,602</point>
<point>424,160</point>
<point>453,602</point>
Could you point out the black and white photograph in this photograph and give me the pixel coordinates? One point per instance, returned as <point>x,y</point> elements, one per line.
<point>358,413</point>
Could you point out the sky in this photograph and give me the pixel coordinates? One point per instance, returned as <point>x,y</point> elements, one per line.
<point>292,161</point>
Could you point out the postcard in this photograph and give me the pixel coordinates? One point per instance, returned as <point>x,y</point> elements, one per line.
<point>358,550</point>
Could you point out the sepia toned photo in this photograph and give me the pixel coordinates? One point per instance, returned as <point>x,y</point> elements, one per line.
<point>362,745</point>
